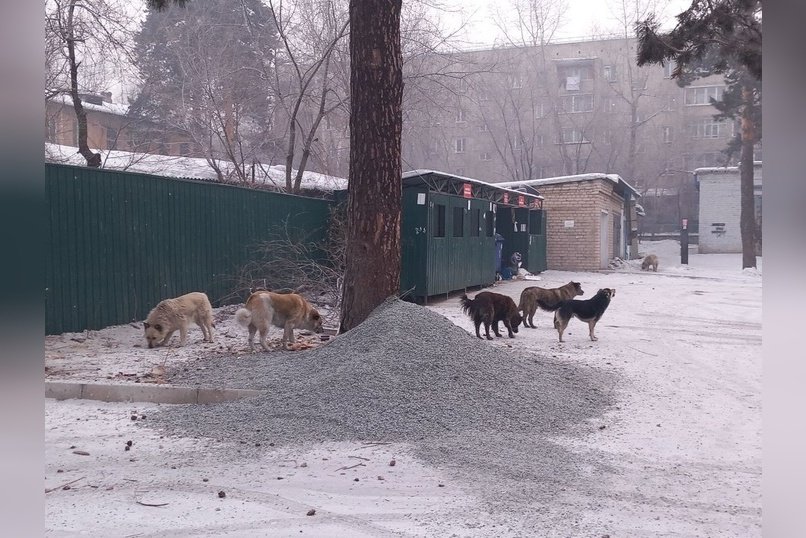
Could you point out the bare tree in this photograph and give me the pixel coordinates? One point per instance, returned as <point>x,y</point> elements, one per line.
<point>311,35</point>
<point>82,37</point>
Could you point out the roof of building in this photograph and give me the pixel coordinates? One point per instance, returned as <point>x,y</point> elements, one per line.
<point>620,187</point>
<point>117,109</point>
<point>491,191</point>
<point>722,169</point>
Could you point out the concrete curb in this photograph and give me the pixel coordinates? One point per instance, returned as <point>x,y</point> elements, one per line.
<point>170,394</point>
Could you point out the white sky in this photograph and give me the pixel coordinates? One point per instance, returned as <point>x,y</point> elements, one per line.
<point>582,19</point>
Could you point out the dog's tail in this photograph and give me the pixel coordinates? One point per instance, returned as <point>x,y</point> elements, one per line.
<point>521,306</point>
<point>243,317</point>
<point>548,307</point>
<point>467,304</point>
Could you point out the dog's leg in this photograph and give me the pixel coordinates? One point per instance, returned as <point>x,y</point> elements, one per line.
<point>477,323</point>
<point>495,329</point>
<point>264,331</point>
<point>487,330</point>
<point>508,325</point>
<point>183,335</point>
<point>560,324</point>
<point>167,338</point>
<point>591,327</point>
<point>288,332</point>
<point>252,331</point>
<point>532,312</point>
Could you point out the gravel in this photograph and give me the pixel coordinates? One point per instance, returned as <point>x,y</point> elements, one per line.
<point>410,375</point>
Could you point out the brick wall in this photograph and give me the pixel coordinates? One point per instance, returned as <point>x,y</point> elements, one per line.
<point>720,203</point>
<point>576,248</point>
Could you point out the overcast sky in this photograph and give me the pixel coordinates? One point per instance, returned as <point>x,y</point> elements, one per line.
<point>582,19</point>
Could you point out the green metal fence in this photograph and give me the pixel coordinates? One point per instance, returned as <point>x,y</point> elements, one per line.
<point>120,242</point>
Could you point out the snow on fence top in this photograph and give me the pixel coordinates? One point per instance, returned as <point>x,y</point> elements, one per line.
<point>191,168</point>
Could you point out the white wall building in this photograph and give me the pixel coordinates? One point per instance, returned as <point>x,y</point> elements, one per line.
<point>720,208</point>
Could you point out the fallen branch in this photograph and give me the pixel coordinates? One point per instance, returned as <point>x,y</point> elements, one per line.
<point>359,458</point>
<point>141,503</point>
<point>351,467</point>
<point>67,484</point>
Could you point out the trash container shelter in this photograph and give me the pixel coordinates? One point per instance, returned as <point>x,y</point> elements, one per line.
<point>523,227</point>
<point>589,218</point>
<point>448,228</point>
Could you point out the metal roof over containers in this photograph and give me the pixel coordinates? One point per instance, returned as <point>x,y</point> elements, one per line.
<point>448,230</point>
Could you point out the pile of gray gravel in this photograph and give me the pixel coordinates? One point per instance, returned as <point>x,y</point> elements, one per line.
<point>406,374</point>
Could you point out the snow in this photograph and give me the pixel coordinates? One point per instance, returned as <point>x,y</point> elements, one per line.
<point>680,454</point>
<point>188,167</point>
<point>118,109</point>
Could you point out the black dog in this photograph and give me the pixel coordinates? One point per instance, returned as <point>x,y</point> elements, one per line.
<point>590,310</point>
<point>490,308</point>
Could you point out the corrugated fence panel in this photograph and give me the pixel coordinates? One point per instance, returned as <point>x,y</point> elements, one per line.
<point>120,242</point>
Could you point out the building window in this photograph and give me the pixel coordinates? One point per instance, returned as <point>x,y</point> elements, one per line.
<point>702,95</point>
<point>516,81</point>
<point>458,222</point>
<point>74,126</point>
<point>459,145</point>
<point>541,140</point>
<point>50,129</point>
<point>581,72</point>
<point>668,67</point>
<point>517,144</point>
<point>460,116</point>
<point>667,134</point>
<point>485,156</point>
<point>475,222</point>
<point>462,85</point>
<point>576,103</point>
<point>489,218</point>
<point>439,220</point>
<point>483,94</point>
<point>573,136</point>
<point>709,128</point>
<point>540,110</point>
<point>608,104</point>
<point>609,73</point>
<point>483,128</point>
<point>111,138</point>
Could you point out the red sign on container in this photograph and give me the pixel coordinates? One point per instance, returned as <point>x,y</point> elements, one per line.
<point>521,200</point>
<point>506,197</point>
<point>467,191</point>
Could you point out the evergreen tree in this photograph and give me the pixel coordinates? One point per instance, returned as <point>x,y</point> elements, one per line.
<point>719,37</point>
<point>205,68</point>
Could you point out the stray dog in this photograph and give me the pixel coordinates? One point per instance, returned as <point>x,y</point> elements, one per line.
<point>650,261</point>
<point>172,314</point>
<point>490,308</point>
<point>548,299</point>
<point>590,310</point>
<point>288,311</point>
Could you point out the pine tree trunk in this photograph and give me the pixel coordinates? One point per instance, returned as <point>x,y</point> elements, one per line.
<point>372,271</point>
<point>747,218</point>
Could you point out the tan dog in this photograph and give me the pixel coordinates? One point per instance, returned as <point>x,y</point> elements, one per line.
<point>546,298</point>
<point>172,314</point>
<point>288,311</point>
<point>650,261</point>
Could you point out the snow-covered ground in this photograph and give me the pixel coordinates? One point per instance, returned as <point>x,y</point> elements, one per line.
<point>682,447</point>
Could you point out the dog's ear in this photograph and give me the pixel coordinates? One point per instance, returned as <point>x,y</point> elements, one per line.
<point>146,325</point>
<point>158,327</point>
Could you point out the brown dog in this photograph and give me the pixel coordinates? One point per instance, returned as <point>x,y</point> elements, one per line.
<point>172,314</point>
<point>590,311</point>
<point>288,311</point>
<point>650,261</point>
<point>490,308</point>
<point>548,299</point>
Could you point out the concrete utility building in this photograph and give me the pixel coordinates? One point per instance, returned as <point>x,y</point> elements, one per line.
<point>720,208</point>
<point>590,219</point>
